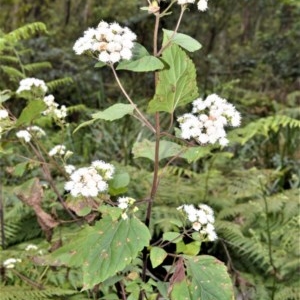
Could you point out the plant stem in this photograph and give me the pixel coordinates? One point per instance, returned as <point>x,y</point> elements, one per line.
<point>156,160</point>
<point>142,118</point>
<point>269,241</point>
<point>48,177</point>
<point>2,218</point>
<point>173,34</point>
<point>28,280</point>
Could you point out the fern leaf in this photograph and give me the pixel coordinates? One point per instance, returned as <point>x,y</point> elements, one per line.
<point>288,293</point>
<point>23,293</point>
<point>36,67</point>
<point>25,32</point>
<point>8,59</point>
<point>263,126</point>
<point>77,108</point>
<point>54,84</point>
<point>13,73</point>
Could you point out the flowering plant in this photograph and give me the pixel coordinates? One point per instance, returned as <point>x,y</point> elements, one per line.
<point>114,247</point>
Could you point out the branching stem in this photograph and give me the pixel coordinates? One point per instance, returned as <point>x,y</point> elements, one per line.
<point>141,117</point>
<point>173,34</point>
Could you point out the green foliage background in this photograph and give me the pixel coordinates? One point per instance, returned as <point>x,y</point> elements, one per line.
<point>250,56</point>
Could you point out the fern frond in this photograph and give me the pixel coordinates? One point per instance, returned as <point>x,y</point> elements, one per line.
<point>243,246</point>
<point>54,84</point>
<point>179,172</point>
<point>13,73</point>
<point>263,126</point>
<point>288,293</point>
<point>36,67</point>
<point>8,59</point>
<point>25,32</point>
<point>76,108</point>
<point>162,218</point>
<point>11,230</point>
<point>23,293</point>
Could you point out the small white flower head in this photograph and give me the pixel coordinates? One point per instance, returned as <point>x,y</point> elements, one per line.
<point>109,43</point>
<point>207,121</point>
<point>11,262</point>
<point>57,150</point>
<point>25,135</point>
<point>36,131</point>
<point>201,218</point>
<point>70,169</point>
<point>29,84</point>
<point>182,2</point>
<point>53,109</point>
<point>88,181</point>
<point>31,247</point>
<point>49,101</point>
<point>105,169</point>
<point>3,114</point>
<point>202,5</point>
<point>125,203</point>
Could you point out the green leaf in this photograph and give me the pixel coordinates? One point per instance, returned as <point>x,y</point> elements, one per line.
<point>180,291</point>
<point>5,95</point>
<point>173,237</point>
<point>192,154</point>
<point>141,61</point>
<point>100,64</point>
<point>210,280</point>
<point>32,111</point>
<point>84,212</point>
<point>118,185</point>
<point>86,123</point>
<point>147,63</point>
<point>157,256</point>
<point>104,249</point>
<point>192,248</point>
<point>176,85</point>
<point>139,51</point>
<point>19,169</point>
<point>146,149</point>
<point>114,112</point>
<point>113,212</point>
<point>182,40</point>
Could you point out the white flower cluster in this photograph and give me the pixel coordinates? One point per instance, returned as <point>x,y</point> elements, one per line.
<point>53,110</point>
<point>89,181</point>
<point>28,83</point>
<point>202,4</point>
<point>105,169</point>
<point>3,114</point>
<point>30,132</point>
<point>206,122</point>
<point>202,219</point>
<point>108,42</point>
<point>70,169</point>
<point>4,120</point>
<point>124,203</point>
<point>57,150</point>
<point>31,247</point>
<point>10,262</point>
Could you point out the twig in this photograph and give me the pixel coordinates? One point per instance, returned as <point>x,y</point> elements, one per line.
<point>142,118</point>
<point>174,32</point>
<point>27,280</point>
<point>49,178</point>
